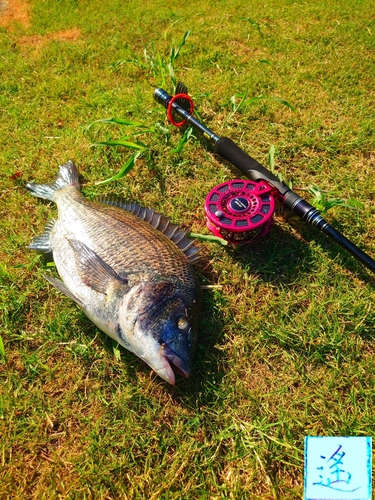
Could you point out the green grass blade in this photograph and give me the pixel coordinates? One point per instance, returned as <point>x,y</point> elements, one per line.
<point>116,351</point>
<point>135,134</point>
<point>355,204</point>
<point>255,99</point>
<point>126,144</point>
<point>2,350</point>
<point>175,51</point>
<point>118,121</point>
<point>164,130</point>
<point>253,23</point>
<point>244,102</point>
<point>184,140</point>
<point>208,237</point>
<point>236,107</point>
<point>271,159</point>
<point>124,121</point>
<point>124,170</point>
<point>283,102</point>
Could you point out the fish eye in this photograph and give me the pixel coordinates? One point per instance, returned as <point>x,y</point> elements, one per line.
<point>182,323</point>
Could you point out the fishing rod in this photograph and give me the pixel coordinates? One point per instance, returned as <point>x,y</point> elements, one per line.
<point>242,211</point>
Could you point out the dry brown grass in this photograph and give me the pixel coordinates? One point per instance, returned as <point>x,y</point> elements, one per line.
<point>13,12</point>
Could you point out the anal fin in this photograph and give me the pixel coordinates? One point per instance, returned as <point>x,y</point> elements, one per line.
<point>42,243</point>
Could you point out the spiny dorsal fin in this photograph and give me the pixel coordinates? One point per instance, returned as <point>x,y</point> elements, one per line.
<point>174,232</point>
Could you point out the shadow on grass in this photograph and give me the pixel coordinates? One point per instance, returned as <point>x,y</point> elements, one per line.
<point>283,258</point>
<point>279,258</point>
<point>335,251</point>
<point>292,253</point>
<point>203,388</point>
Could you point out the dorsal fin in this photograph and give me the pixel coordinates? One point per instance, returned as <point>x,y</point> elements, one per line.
<point>174,232</point>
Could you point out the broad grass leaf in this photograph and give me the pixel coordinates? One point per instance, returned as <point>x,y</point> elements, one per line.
<point>184,139</point>
<point>2,350</point>
<point>123,171</point>
<point>119,121</point>
<point>208,237</point>
<point>125,144</point>
<point>281,101</point>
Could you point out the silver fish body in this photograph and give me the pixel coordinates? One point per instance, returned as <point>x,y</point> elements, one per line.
<point>128,268</point>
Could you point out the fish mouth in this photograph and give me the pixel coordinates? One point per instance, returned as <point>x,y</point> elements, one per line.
<point>178,365</point>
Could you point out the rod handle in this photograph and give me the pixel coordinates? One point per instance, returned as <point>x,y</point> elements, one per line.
<point>227,149</point>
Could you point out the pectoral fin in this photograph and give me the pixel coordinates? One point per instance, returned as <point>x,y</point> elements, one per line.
<point>94,272</point>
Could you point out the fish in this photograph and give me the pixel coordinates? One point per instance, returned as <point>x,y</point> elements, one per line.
<point>129,268</point>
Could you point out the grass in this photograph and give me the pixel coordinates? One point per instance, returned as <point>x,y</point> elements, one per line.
<point>286,343</point>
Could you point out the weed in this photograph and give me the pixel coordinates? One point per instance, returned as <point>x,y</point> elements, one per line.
<point>2,350</point>
<point>245,101</point>
<point>323,202</point>
<point>128,142</point>
<point>161,67</point>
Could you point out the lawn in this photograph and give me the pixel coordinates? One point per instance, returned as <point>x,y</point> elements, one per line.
<point>286,344</point>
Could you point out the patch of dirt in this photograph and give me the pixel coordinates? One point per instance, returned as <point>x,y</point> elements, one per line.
<point>14,11</point>
<point>38,41</point>
<point>18,11</point>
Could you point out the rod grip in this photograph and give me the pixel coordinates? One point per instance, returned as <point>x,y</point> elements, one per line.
<point>227,149</point>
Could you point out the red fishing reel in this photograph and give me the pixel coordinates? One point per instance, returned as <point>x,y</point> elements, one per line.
<point>240,211</point>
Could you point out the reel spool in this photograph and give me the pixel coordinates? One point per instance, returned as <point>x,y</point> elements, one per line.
<point>240,211</point>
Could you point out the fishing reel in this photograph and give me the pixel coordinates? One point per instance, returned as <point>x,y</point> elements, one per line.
<point>240,211</point>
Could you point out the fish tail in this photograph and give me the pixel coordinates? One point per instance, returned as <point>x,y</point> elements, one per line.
<point>67,177</point>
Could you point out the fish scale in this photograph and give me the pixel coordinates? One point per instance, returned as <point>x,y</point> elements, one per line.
<point>162,255</point>
<point>134,279</point>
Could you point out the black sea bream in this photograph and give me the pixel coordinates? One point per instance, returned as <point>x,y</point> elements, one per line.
<point>128,268</point>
